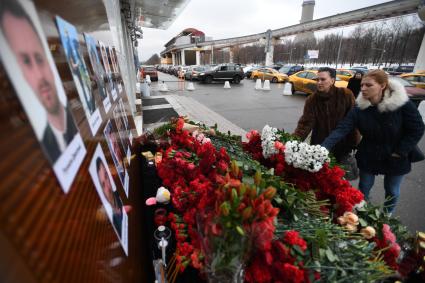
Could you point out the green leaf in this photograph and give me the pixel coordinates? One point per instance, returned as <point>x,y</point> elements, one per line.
<point>330,255</point>
<point>278,200</point>
<point>322,252</point>
<point>362,222</point>
<point>248,180</point>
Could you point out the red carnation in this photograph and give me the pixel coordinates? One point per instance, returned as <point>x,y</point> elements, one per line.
<point>292,238</point>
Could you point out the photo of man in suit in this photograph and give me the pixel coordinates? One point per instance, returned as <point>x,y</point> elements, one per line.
<point>111,196</point>
<point>26,45</point>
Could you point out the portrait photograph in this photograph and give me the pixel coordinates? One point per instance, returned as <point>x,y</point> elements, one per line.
<point>74,55</point>
<point>26,57</point>
<point>107,66</point>
<point>113,57</point>
<point>122,132</point>
<point>117,154</point>
<point>98,71</point>
<point>109,196</point>
<point>125,120</point>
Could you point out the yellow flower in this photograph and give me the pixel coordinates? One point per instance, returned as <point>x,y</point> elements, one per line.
<point>368,232</point>
<point>351,228</point>
<point>351,218</point>
<point>341,220</point>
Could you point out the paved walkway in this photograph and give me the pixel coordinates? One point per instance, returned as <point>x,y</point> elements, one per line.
<point>195,111</point>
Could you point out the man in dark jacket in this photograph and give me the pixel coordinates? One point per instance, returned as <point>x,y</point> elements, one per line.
<point>322,112</point>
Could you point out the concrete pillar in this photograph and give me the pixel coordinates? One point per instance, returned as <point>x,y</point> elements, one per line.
<point>230,55</point>
<point>420,60</point>
<point>173,58</point>
<point>198,57</point>
<point>212,54</point>
<point>269,52</point>
<point>183,59</point>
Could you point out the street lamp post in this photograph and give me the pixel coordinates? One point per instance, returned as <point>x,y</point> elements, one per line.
<point>290,55</point>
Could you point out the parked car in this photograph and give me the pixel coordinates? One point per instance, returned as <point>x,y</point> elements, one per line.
<point>417,79</point>
<point>359,69</point>
<point>344,74</point>
<point>223,72</point>
<point>275,66</point>
<point>306,82</point>
<point>291,69</point>
<point>398,70</point>
<point>194,71</point>
<point>248,72</point>
<point>148,70</point>
<point>415,94</point>
<point>269,74</point>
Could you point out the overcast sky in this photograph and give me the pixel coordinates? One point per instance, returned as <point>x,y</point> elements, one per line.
<point>230,18</point>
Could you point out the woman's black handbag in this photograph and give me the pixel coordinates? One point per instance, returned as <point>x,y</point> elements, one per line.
<point>416,155</point>
<point>349,164</point>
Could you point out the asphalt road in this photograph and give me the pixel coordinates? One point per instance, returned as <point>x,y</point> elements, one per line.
<point>252,109</point>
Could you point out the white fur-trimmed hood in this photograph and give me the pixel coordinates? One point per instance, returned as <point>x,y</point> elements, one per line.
<point>395,96</point>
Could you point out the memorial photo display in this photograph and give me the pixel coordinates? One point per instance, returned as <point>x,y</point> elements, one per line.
<point>119,122</point>
<point>117,155</point>
<point>111,83</point>
<point>125,120</point>
<point>109,196</point>
<point>69,38</point>
<point>98,71</point>
<point>26,57</point>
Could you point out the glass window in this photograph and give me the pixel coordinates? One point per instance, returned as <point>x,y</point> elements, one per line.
<point>410,78</point>
<point>302,74</point>
<point>311,76</point>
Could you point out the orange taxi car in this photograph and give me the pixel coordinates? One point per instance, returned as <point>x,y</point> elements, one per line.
<point>269,74</point>
<point>306,81</point>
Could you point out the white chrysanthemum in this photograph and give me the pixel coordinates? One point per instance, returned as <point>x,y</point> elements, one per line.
<point>268,137</point>
<point>304,156</point>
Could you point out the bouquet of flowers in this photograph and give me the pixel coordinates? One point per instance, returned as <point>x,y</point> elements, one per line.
<point>304,156</point>
<point>266,210</point>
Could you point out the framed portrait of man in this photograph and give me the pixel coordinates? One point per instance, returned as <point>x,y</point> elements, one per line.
<point>109,196</point>
<point>107,66</point>
<point>98,71</point>
<point>117,155</point>
<point>26,57</point>
<point>69,38</point>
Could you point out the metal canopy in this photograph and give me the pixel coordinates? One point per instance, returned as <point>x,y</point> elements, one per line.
<point>86,15</point>
<point>158,14</point>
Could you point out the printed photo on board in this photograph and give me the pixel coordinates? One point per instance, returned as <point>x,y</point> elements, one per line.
<point>122,132</point>
<point>109,196</point>
<point>98,71</point>
<point>106,65</point>
<point>117,154</point>
<point>26,57</point>
<point>125,120</point>
<point>69,38</point>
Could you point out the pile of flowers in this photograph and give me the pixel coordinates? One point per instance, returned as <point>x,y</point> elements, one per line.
<point>266,210</point>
